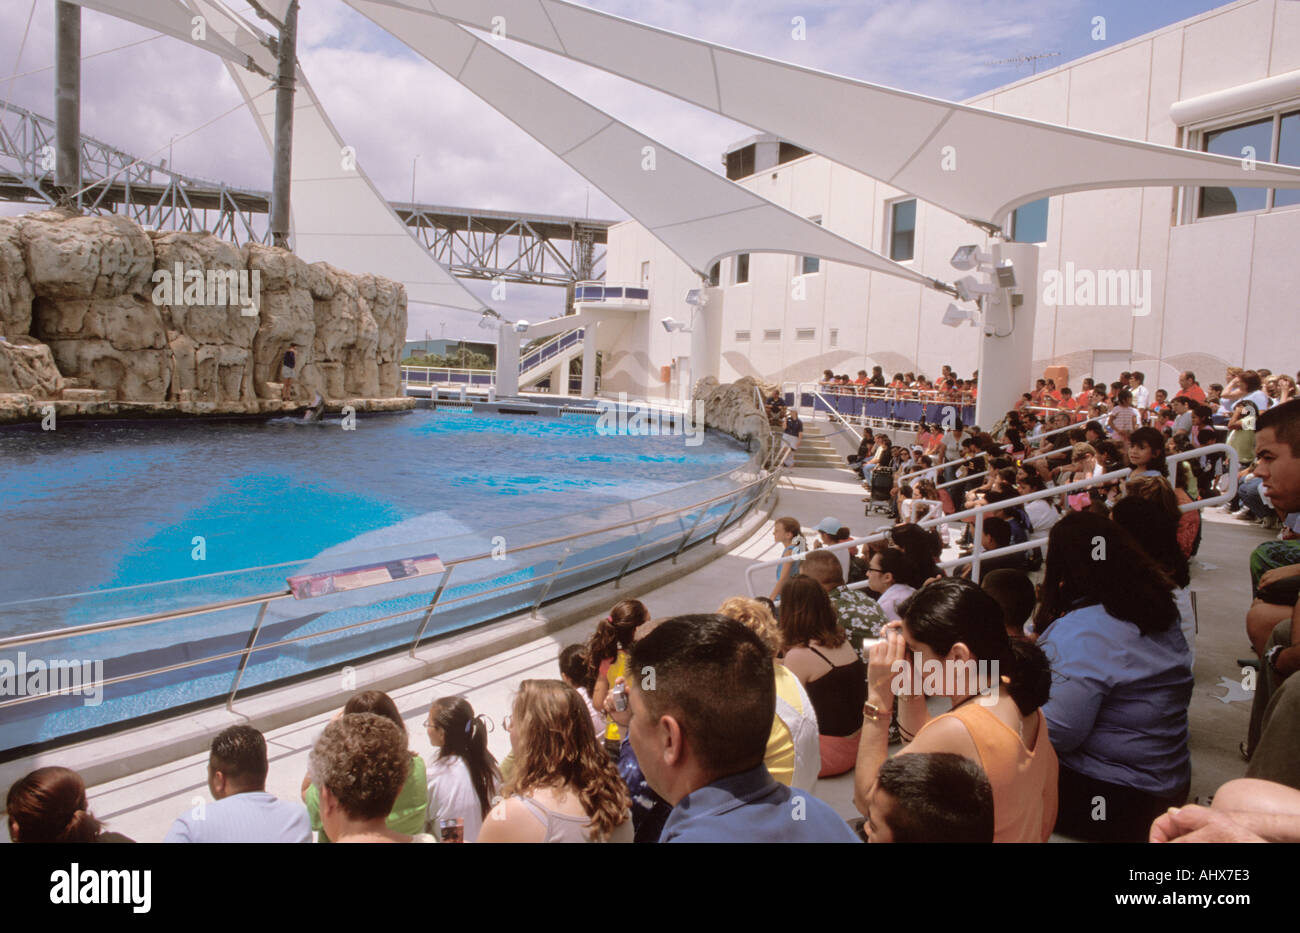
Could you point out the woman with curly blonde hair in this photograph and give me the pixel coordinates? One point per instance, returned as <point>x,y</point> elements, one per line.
<point>565,788</point>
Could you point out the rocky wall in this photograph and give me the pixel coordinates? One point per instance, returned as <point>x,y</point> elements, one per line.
<point>185,319</point>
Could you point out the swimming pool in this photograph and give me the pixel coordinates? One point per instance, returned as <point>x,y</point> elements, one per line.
<point>134,518</point>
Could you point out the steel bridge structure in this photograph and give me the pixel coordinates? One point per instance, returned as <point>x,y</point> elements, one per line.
<point>533,249</point>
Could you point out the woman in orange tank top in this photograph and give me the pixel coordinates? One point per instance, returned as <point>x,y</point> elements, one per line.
<point>952,642</point>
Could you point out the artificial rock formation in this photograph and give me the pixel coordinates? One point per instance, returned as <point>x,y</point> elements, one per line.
<point>735,409</point>
<point>165,321</point>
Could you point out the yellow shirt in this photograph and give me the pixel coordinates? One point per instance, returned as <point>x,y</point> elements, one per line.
<point>617,669</point>
<point>780,744</point>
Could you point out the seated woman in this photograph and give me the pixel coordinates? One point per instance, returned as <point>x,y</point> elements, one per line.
<point>463,775</point>
<point>1123,679</point>
<point>1042,513</point>
<point>565,788</point>
<point>1150,514</point>
<point>49,805</point>
<point>953,637</point>
<point>361,766</point>
<point>412,804</point>
<point>793,752</point>
<point>817,651</point>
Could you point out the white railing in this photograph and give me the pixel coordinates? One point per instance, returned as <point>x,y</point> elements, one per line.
<point>977,515</point>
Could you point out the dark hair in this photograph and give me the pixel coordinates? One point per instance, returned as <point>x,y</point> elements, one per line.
<point>999,529</point>
<point>614,632</point>
<point>1155,442</point>
<point>766,601</point>
<point>1092,560</point>
<point>1034,480</point>
<point>807,613</point>
<point>1125,396</point>
<point>574,665</point>
<point>952,610</point>
<point>1284,421</point>
<point>377,702</point>
<point>1155,529</point>
<point>239,753</point>
<point>464,736</point>
<point>937,797</point>
<point>892,560</point>
<point>715,676</point>
<point>1014,592</point>
<point>922,545</point>
<point>49,805</point>
<point>1109,450</point>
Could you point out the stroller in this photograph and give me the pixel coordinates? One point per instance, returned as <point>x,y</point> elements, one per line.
<point>882,481</point>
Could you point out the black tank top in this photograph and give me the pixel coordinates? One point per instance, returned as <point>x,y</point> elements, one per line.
<point>837,696</point>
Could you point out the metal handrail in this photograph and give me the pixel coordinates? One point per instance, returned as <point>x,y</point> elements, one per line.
<point>251,648</point>
<point>977,512</point>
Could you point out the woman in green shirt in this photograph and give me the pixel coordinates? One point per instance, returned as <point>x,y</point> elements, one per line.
<point>409,812</point>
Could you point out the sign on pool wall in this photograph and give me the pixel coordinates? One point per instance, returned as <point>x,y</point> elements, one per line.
<point>309,586</point>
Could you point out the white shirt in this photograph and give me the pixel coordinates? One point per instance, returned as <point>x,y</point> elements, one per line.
<point>255,816</point>
<point>1041,516</point>
<point>451,794</point>
<point>890,599</point>
<point>1140,396</point>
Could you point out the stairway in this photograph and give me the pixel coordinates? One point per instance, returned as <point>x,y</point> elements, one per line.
<point>816,452</point>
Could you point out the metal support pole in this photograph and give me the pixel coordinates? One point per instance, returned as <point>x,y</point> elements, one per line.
<point>286,58</point>
<point>978,531</point>
<point>555,576</point>
<point>67,100</point>
<point>248,650</point>
<point>428,613</point>
<point>725,518</point>
<point>640,543</point>
<point>694,525</point>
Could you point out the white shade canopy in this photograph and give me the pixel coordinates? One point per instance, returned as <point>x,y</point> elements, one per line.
<point>897,137</point>
<point>698,214</point>
<point>337,214</point>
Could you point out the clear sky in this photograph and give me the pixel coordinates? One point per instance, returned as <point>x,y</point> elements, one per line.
<point>394,106</point>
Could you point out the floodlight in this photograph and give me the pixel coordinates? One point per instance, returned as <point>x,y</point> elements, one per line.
<point>968,258</point>
<point>1006,275</point>
<point>970,288</point>
<point>956,315</point>
<point>521,327</point>
<point>693,297</point>
<point>671,325</point>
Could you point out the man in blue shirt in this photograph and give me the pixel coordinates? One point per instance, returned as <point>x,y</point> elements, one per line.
<point>702,696</point>
<point>243,811</point>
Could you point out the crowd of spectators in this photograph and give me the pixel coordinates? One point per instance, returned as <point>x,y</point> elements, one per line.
<point>1056,692</point>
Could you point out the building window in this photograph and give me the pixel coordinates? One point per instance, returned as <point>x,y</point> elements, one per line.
<point>715,275</point>
<point>742,269</point>
<point>902,230</point>
<point>805,333</point>
<point>645,273</point>
<point>1275,138</point>
<point>834,337</point>
<point>788,152</point>
<point>740,164</point>
<point>771,336</point>
<point>742,336</point>
<point>810,265</point>
<point>1029,222</point>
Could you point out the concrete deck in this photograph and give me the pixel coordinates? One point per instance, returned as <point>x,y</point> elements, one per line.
<point>143,804</point>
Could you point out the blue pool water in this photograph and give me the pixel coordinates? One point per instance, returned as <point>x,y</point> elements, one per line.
<point>108,516</point>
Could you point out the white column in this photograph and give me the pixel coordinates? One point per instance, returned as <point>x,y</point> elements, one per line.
<point>1007,347</point>
<point>589,360</point>
<point>560,378</point>
<point>507,378</point>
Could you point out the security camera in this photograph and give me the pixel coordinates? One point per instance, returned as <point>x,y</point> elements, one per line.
<point>956,315</point>
<point>521,327</point>
<point>989,330</point>
<point>1006,275</point>
<point>671,325</point>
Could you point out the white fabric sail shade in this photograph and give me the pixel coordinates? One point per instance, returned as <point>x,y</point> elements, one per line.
<point>696,213</point>
<point>897,137</point>
<point>337,214</point>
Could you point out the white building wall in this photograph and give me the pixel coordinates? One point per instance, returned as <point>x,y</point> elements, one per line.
<point>1225,290</point>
